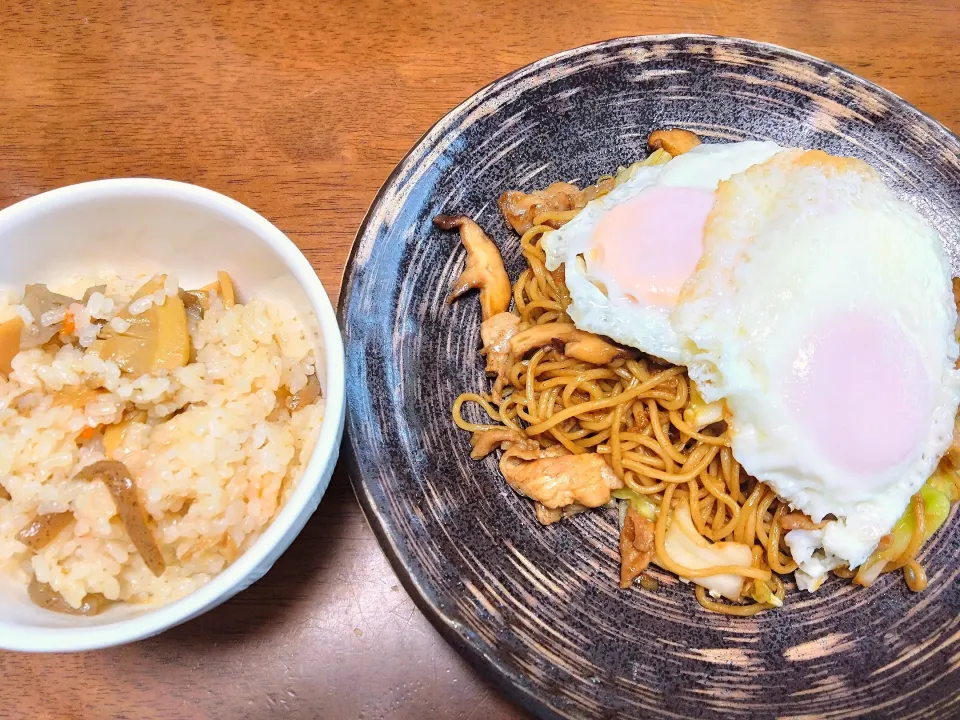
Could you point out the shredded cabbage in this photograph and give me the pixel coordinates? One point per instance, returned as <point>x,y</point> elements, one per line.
<point>638,502</point>
<point>937,494</point>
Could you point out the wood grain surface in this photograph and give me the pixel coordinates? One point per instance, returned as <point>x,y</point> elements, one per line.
<point>301,110</point>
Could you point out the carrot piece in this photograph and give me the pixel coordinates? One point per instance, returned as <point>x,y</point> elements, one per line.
<point>69,324</point>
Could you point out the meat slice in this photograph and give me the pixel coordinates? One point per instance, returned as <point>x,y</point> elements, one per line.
<point>559,480</point>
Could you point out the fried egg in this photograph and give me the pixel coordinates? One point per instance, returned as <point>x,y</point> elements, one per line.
<point>627,254</point>
<point>821,313</point>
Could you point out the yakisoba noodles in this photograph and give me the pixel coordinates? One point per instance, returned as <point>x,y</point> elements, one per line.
<point>569,393</point>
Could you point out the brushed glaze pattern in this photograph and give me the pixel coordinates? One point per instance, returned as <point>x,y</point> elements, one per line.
<point>539,608</point>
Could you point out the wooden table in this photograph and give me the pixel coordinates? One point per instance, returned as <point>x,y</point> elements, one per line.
<point>301,112</point>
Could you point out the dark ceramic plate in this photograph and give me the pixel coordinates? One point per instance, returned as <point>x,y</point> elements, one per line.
<point>536,608</point>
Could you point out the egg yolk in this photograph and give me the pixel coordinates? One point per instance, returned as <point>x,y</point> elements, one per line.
<point>650,244</point>
<point>858,387</point>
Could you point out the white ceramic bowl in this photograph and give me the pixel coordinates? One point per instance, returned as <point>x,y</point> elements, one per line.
<point>144,225</point>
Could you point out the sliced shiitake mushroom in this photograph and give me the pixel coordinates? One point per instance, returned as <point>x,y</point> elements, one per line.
<point>578,344</point>
<point>38,299</point>
<point>484,270</point>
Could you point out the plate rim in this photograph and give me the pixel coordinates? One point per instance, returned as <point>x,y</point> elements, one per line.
<point>510,683</point>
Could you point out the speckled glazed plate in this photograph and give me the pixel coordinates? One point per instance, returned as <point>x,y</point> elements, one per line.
<point>537,608</point>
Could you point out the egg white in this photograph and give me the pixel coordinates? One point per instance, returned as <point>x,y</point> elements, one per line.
<point>644,326</point>
<point>788,243</point>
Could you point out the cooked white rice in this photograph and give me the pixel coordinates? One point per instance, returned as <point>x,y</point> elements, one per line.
<point>210,477</point>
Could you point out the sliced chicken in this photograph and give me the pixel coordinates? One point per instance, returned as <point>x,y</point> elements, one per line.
<point>559,480</point>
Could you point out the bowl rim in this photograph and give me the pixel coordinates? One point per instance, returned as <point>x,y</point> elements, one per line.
<point>492,667</point>
<point>281,531</point>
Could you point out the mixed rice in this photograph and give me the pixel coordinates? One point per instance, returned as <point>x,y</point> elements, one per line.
<point>138,418</point>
